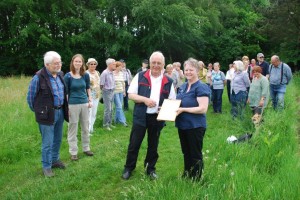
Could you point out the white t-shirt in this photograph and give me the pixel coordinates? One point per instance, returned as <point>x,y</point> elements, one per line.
<point>155,91</point>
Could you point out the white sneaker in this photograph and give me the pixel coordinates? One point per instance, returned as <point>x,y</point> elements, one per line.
<point>107,128</point>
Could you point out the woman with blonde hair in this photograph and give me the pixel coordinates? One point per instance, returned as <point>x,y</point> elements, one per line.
<point>202,72</point>
<point>80,100</point>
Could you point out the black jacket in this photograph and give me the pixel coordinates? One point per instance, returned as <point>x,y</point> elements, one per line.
<point>44,99</point>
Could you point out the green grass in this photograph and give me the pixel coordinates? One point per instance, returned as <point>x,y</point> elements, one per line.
<point>266,167</point>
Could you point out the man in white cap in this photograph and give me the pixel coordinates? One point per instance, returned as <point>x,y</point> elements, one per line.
<point>263,64</point>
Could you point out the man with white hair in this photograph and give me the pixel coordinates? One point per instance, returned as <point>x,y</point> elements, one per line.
<point>47,98</point>
<point>148,90</point>
<point>107,85</point>
<point>280,76</point>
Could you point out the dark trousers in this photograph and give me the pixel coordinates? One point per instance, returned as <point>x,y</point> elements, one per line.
<point>228,89</point>
<point>126,97</point>
<point>217,100</point>
<point>137,135</point>
<point>191,141</point>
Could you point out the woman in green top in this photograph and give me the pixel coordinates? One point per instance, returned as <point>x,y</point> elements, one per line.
<point>259,91</point>
<point>80,100</point>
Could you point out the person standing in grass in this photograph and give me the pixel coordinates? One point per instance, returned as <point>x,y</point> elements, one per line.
<point>107,85</point>
<point>127,77</point>
<point>259,91</point>
<point>80,100</point>
<point>191,119</point>
<point>218,81</point>
<point>119,94</point>
<point>229,75</point>
<point>148,90</point>
<point>280,76</point>
<point>202,72</point>
<point>95,91</point>
<point>239,84</point>
<point>47,98</point>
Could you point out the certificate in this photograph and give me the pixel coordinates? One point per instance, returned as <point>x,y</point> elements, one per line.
<point>168,110</point>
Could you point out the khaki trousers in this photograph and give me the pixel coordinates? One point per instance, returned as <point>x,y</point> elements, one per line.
<point>78,112</point>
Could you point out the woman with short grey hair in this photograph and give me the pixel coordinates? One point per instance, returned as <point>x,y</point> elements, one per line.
<point>239,84</point>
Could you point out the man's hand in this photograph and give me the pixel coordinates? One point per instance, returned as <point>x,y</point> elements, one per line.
<point>150,103</point>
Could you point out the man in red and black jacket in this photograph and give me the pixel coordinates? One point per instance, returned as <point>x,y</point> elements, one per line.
<point>148,90</point>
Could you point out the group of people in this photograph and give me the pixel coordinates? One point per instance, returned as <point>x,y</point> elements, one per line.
<point>248,82</point>
<point>74,97</point>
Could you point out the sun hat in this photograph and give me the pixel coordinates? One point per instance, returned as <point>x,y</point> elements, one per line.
<point>91,60</point>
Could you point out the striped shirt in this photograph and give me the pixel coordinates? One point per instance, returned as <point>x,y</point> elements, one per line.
<point>119,80</point>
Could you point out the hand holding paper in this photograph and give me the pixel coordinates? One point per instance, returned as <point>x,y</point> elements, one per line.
<point>168,111</point>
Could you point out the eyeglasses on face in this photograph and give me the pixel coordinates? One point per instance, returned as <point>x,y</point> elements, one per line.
<point>92,63</point>
<point>58,63</point>
<point>261,57</point>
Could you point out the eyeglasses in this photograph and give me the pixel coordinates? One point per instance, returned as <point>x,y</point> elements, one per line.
<point>156,63</point>
<point>261,57</point>
<point>58,63</point>
<point>92,63</point>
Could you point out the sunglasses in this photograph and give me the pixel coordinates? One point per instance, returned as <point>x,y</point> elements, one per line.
<point>93,64</point>
<point>261,57</point>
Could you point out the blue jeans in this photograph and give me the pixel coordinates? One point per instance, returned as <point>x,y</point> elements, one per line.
<point>217,100</point>
<point>119,116</point>
<point>51,139</point>
<point>238,103</point>
<point>277,96</point>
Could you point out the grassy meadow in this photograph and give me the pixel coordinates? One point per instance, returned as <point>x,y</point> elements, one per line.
<point>266,167</point>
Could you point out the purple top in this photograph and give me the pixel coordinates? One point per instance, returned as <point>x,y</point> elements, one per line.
<point>107,80</point>
<point>240,82</point>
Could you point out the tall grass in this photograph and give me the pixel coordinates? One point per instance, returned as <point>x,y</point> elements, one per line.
<point>266,167</point>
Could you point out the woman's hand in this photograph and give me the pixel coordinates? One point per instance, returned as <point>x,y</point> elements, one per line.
<point>179,111</point>
<point>261,103</point>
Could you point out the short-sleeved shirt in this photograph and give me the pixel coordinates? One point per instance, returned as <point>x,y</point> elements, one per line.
<point>259,88</point>
<point>94,84</point>
<point>119,82</point>
<point>155,90</point>
<point>218,80</point>
<point>107,80</point>
<point>188,99</point>
<point>77,88</point>
<point>265,67</point>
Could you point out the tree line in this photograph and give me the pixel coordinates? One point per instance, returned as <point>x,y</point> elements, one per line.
<point>209,30</point>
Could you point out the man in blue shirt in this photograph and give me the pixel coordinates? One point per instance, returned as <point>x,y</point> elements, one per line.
<point>280,76</point>
<point>47,98</point>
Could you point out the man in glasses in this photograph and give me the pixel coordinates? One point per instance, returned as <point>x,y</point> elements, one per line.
<point>263,64</point>
<point>47,98</point>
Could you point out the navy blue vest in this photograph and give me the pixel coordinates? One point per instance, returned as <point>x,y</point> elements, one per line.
<point>44,100</point>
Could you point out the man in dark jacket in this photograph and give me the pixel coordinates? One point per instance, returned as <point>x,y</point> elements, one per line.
<point>263,64</point>
<point>148,90</point>
<point>47,98</point>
